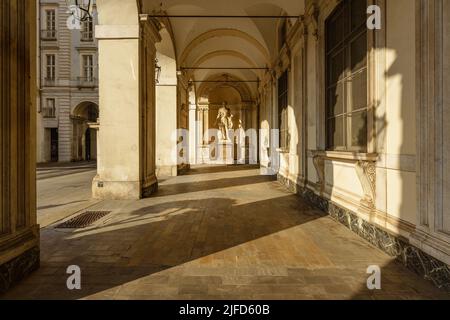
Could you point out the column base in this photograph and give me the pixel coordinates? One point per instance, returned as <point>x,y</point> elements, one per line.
<point>115,190</point>
<point>18,268</point>
<point>183,168</point>
<point>150,186</point>
<point>224,153</point>
<point>166,171</point>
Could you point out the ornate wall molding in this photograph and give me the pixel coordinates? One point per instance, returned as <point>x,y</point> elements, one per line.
<point>366,171</point>
<point>319,165</point>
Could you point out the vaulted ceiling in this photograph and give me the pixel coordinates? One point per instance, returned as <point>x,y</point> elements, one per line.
<point>237,42</point>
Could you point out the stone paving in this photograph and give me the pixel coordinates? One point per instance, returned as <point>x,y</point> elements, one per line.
<point>217,233</point>
<point>63,189</point>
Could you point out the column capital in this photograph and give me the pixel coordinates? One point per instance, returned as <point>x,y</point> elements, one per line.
<point>151,27</point>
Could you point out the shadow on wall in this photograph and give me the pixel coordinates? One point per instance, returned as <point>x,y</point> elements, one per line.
<point>394,139</point>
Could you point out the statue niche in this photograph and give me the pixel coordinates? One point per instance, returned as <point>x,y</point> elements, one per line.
<point>224,121</point>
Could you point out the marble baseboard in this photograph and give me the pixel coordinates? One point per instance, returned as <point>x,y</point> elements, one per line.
<point>410,256</point>
<point>15,270</point>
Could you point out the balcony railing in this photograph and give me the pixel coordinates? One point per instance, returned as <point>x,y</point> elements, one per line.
<point>87,35</point>
<point>49,113</point>
<point>87,82</point>
<point>49,35</point>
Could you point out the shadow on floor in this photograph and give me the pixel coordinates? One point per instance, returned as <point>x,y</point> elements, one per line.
<point>52,206</point>
<point>153,239</point>
<point>185,246</point>
<point>399,283</point>
<point>219,168</point>
<point>180,188</point>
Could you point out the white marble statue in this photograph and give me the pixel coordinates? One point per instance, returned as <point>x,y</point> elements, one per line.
<point>224,121</point>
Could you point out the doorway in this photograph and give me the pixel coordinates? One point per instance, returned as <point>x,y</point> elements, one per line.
<point>54,145</point>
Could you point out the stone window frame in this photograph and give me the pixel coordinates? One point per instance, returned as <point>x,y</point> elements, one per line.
<point>52,113</point>
<point>84,67</point>
<point>87,31</point>
<point>51,66</point>
<point>376,39</point>
<point>50,24</point>
<point>346,80</point>
<point>46,32</point>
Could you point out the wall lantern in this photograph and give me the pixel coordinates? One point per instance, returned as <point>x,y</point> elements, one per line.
<point>157,71</point>
<point>81,9</point>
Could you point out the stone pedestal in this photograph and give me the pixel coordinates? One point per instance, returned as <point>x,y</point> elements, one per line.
<point>225,153</point>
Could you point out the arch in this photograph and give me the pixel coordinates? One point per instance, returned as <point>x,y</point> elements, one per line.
<point>169,33</point>
<point>224,33</point>
<point>229,58</point>
<point>231,53</point>
<point>166,56</point>
<point>82,110</point>
<point>234,96</point>
<point>84,134</point>
<point>241,87</point>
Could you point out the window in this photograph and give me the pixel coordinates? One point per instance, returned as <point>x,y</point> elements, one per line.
<point>51,67</point>
<point>50,109</point>
<point>50,24</point>
<point>282,110</point>
<point>87,34</point>
<point>346,77</point>
<point>88,67</point>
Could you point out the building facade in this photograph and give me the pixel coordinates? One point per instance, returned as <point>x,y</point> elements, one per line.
<point>68,103</point>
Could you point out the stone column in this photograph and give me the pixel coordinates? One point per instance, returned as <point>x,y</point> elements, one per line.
<point>149,36</point>
<point>192,134</point>
<point>432,233</point>
<point>206,125</point>
<point>200,158</point>
<point>126,165</point>
<point>19,232</point>
<point>166,119</point>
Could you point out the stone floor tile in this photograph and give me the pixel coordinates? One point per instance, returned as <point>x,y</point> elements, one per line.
<point>216,235</point>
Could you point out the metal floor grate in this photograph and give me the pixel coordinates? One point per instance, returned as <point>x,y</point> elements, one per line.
<point>83,220</point>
